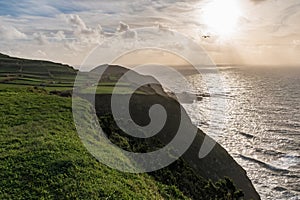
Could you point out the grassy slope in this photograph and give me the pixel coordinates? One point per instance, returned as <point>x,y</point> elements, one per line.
<point>41,155</point>
<point>17,72</point>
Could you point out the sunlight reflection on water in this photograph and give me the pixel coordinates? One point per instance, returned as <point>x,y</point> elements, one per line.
<point>262,129</point>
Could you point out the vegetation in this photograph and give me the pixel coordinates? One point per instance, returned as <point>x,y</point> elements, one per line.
<point>178,174</point>
<point>42,157</point>
<point>16,72</point>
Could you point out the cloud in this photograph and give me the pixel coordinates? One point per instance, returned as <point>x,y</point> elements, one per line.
<point>71,46</point>
<point>11,33</point>
<point>84,33</point>
<point>289,13</point>
<point>78,23</point>
<point>296,42</point>
<point>59,36</point>
<point>40,38</point>
<point>127,32</point>
<point>123,27</point>
<point>161,26</point>
<point>65,28</point>
<point>41,53</point>
<point>258,1</point>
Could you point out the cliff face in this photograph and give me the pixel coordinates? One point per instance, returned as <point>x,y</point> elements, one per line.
<point>216,165</point>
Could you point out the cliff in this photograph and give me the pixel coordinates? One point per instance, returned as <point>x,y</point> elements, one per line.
<point>215,166</point>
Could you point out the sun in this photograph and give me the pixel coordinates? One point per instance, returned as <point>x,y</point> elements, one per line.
<point>222,16</point>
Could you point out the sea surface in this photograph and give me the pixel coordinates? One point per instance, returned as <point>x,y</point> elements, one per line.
<point>259,125</point>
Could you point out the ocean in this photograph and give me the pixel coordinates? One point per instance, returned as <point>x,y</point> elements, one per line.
<point>259,126</point>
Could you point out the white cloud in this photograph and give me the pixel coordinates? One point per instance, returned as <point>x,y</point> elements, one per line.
<point>11,33</point>
<point>41,53</point>
<point>59,36</point>
<point>258,1</point>
<point>78,23</point>
<point>84,33</point>
<point>296,42</point>
<point>123,27</point>
<point>162,26</point>
<point>41,38</point>
<point>72,46</point>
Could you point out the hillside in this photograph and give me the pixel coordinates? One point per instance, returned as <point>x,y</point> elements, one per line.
<point>42,155</point>
<point>17,72</point>
<point>25,72</point>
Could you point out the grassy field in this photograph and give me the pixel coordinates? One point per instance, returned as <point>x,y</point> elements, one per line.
<point>15,73</point>
<point>42,157</point>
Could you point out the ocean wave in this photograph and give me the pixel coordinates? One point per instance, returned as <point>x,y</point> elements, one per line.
<point>269,152</point>
<point>265,165</point>
<point>247,135</point>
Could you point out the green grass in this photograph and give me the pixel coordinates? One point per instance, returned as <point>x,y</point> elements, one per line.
<point>11,86</point>
<point>36,76</point>
<point>50,76</point>
<point>42,157</point>
<point>103,89</point>
<point>179,174</point>
<point>10,69</point>
<point>26,82</point>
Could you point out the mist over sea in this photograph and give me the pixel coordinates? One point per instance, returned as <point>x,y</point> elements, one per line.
<point>262,125</point>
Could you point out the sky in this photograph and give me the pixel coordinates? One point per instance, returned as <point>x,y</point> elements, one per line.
<point>241,32</point>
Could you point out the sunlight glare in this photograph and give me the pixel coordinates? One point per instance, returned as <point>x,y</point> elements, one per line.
<point>221,17</point>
